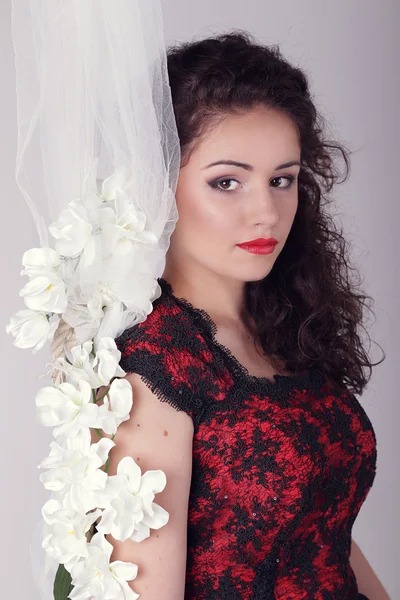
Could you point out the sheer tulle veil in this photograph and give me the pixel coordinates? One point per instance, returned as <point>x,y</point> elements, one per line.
<point>97,163</point>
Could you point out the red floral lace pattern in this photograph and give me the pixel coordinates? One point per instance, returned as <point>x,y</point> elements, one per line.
<point>280,469</point>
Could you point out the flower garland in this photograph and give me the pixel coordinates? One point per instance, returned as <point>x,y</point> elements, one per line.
<point>71,293</point>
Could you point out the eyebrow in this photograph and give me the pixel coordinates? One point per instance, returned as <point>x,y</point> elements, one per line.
<point>247,166</point>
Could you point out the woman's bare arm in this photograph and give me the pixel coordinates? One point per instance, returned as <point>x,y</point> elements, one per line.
<point>367,580</point>
<point>157,436</point>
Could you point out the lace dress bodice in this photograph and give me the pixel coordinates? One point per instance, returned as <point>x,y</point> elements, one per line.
<point>280,468</point>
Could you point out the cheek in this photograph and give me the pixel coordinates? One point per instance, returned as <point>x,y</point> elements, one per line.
<point>205,216</point>
<point>287,212</point>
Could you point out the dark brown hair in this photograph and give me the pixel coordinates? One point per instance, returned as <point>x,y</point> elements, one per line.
<point>307,311</point>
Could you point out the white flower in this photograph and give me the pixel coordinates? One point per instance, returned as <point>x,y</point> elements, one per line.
<point>73,232</point>
<point>128,500</point>
<point>98,278</point>
<point>31,329</point>
<point>112,413</point>
<point>65,532</point>
<point>97,370</point>
<point>86,316</point>
<point>83,320</point>
<point>106,362</point>
<point>41,260</point>
<point>69,408</point>
<point>136,288</point>
<point>116,181</point>
<point>74,470</point>
<point>103,297</point>
<point>45,293</point>
<point>124,225</point>
<point>96,578</point>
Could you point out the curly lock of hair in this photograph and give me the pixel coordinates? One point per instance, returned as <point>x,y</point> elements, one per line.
<point>308,310</point>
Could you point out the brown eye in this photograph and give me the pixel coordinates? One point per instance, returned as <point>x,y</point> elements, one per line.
<point>290,178</point>
<point>218,182</point>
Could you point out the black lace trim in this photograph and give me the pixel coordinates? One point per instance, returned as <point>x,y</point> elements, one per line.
<point>153,371</point>
<point>201,389</point>
<point>310,378</point>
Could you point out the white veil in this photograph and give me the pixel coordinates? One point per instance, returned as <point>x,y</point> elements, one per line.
<point>97,161</point>
<point>92,97</point>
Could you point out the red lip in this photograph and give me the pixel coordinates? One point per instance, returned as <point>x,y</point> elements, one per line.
<point>260,242</point>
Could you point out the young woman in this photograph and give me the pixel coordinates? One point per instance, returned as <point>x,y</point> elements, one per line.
<point>245,372</point>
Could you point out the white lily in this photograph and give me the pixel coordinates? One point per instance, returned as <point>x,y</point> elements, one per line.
<point>73,232</point>
<point>67,409</point>
<point>87,316</point>
<point>83,320</point>
<point>122,227</point>
<point>74,470</point>
<point>129,510</point>
<point>31,329</point>
<point>97,370</point>
<point>116,181</point>
<point>103,298</point>
<point>41,260</point>
<point>135,288</point>
<point>45,293</point>
<point>106,362</point>
<point>65,539</point>
<point>96,577</point>
<point>117,409</point>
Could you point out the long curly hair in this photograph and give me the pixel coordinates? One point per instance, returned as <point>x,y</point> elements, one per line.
<point>307,311</point>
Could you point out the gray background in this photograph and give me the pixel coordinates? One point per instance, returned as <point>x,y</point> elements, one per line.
<point>350,48</point>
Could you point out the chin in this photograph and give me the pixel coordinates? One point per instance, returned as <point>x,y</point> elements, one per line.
<point>260,278</point>
<point>254,275</point>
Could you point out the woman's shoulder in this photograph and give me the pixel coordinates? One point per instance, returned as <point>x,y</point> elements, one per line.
<point>171,355</point>
<point>167,331</point>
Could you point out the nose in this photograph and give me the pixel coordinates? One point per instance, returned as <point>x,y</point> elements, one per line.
<point>263,209</point>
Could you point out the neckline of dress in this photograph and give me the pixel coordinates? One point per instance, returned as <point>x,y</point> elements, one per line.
<point>206,324</point>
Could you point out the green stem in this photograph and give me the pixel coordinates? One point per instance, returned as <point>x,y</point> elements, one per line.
<point>105,394</point>
<point>98,432</point>
<point>95,399</point>
<point>106,466</point>
<point>91,532</point>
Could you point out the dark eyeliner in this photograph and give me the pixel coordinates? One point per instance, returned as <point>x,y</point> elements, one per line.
<point>215,182</point>
<point>291,178</point>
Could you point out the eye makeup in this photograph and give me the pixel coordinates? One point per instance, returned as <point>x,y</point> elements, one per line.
<point>215,183</point>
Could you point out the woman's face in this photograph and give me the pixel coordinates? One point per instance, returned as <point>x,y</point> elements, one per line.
<point>223,205</point>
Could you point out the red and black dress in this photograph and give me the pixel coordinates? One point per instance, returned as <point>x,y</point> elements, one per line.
<point>280,468</point>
